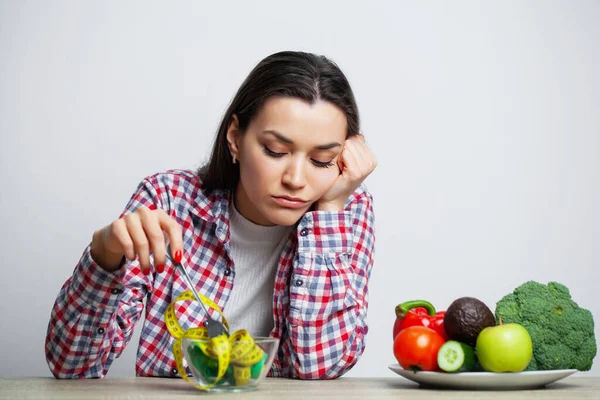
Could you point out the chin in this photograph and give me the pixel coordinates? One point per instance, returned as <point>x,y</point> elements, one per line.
<point>285,217</point>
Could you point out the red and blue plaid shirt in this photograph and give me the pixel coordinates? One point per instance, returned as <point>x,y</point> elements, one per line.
<point>320,295</point>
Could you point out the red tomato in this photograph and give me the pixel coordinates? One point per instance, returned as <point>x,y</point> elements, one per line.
<point>416,347</point>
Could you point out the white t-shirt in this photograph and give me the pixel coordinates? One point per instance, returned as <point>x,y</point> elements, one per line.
<point>255,250</point>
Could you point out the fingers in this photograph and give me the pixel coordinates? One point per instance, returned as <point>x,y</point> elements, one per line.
<point>154,236</point>
<point>368,159</point>
<point>351,160</point>
<point>141,243</point>
<point>118,230</point>
<point>140,234</point>
<point>348,154</point>
<point>355,162</point>
<point>358,157</point>
<point>174,235</point>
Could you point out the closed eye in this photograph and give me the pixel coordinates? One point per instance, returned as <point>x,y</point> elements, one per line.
<point>316,163</point>
<point>271,153</point>
<point>322,164</point>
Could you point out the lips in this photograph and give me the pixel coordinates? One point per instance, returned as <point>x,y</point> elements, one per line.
<point>290,201</point>
<point>290,198</point>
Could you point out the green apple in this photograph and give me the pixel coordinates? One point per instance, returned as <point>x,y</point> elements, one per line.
<point>504,348</point>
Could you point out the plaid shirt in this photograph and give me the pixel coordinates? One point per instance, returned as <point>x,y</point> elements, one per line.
<point>320,295</point>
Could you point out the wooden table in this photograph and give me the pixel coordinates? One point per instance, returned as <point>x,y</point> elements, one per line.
<point>571,388</point>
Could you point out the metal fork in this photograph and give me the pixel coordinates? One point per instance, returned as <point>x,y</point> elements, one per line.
<point>214,327</point>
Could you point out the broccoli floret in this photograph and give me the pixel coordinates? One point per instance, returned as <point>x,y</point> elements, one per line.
<point>562,332</point>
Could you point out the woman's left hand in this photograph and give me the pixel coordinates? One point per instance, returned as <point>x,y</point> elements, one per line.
<point>355,162</point>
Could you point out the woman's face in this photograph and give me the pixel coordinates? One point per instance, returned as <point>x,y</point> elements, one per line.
<point>287,158</point>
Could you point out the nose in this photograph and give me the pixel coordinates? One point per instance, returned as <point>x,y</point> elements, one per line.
<point>294,175</point>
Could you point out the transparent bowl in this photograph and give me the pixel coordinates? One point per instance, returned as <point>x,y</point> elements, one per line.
<point>204,368</point>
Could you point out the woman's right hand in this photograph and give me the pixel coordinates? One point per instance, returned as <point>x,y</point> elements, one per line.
<point>138,235</point>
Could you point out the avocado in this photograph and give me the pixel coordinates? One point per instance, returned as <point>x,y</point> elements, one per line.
<point>465,318</point>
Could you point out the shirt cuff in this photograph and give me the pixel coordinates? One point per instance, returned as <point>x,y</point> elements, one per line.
<point>325,232</point>
<point>94,285</point>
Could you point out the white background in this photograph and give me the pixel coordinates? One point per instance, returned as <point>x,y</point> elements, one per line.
<point>484,117</point>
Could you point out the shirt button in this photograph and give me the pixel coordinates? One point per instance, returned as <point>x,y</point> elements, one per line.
<point>299,282</point>
<point>173,371</point>
<point>115,291</point>
<point>227,271</point>
<point>100,331</point>
<point>304,232</point>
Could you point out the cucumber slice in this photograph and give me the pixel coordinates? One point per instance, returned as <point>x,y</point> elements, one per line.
<point>456,356</point>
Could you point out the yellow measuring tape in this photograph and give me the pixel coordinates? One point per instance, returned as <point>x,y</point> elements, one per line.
<point>236,357</point>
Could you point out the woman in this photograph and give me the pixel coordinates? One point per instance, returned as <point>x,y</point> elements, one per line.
<point>277,229</point>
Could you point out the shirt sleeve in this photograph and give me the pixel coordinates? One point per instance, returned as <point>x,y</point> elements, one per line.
<point>327,321</point>
<point>95,312</point>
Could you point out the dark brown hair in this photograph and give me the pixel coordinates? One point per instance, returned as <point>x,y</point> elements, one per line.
<point>305,76</point>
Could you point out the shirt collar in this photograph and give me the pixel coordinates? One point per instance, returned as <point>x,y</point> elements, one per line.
<point>214,209</point>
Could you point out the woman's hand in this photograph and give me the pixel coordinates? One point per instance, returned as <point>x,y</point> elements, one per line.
<point>355,162</point>
<point>137,235</point>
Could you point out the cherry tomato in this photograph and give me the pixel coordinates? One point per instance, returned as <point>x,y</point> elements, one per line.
<point>416,347</point>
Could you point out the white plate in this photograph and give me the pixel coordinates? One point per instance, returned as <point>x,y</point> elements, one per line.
<point>484,380</point>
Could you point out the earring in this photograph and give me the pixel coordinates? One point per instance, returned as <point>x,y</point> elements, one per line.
<point>234,159</point>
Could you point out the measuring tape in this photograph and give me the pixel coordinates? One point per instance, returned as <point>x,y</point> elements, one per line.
<point>236,357</point>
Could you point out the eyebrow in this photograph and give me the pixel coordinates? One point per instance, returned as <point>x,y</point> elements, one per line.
<point>279,136</point>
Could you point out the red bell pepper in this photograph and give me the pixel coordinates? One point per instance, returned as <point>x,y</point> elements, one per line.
<point>419,313</point>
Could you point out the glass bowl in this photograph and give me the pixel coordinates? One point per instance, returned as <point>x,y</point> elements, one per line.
<point>242,374</point>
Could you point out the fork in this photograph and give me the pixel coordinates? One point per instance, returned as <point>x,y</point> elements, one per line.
<point>215,328</point>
